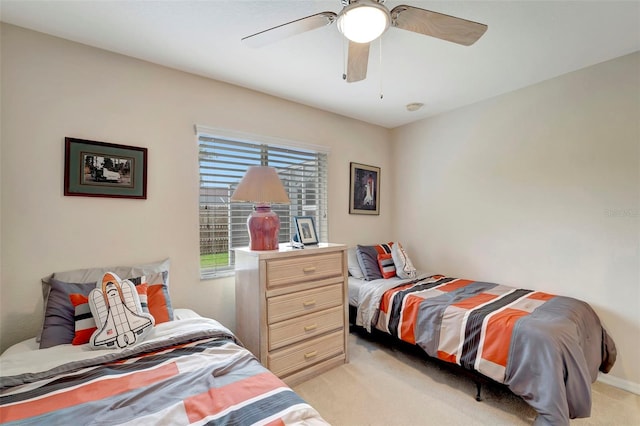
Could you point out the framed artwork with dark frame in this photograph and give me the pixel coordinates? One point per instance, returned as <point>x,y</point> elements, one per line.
<point>101,169</point>
<point>364,189</point>
<point>305,230</point>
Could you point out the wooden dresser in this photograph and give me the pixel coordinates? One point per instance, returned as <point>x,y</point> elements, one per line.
<point>291,308</point>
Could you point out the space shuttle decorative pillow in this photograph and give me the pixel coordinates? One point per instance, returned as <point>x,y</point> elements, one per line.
<point>116,307</point>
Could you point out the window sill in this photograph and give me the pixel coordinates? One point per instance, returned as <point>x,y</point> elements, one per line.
<point>216,275</point>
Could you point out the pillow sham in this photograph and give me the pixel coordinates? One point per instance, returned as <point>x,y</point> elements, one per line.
<point>352,263</point>
<point>404,266</point>
<point>85,323</point>
<point>368,259</point>
<point>387,267</point>
<point>58,323</point>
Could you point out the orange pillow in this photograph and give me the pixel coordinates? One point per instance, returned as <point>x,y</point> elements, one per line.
<point>159,306</point>
<point>157,296</point>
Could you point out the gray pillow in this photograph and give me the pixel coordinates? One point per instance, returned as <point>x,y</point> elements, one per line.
<point>59,327</point>
<point>368,260</point>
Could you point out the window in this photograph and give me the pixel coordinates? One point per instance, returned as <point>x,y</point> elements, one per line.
<point>223,161</point>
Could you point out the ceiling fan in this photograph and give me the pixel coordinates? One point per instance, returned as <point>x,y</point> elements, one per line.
<point>362,21</point>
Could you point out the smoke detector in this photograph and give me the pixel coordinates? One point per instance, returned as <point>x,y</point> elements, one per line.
<point>414,106</point>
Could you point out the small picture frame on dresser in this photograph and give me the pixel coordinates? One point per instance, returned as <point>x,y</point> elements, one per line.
<point>305,230</point>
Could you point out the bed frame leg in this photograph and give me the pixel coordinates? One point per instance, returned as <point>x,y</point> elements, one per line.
<point>479,388</point>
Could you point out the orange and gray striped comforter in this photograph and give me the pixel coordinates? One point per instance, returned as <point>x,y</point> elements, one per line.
<point>196,376</point>
<point>547,349</point>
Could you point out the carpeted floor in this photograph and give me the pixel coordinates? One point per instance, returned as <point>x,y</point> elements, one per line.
<point>386,385</point>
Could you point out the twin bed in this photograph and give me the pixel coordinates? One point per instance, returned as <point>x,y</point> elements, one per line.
<point>545,348</point>
<point>189,370</point>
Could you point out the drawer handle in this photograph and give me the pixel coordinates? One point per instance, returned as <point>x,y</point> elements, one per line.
<point>308,303</point>
<point>309,269</point>
<point>310,354</point>
<point>310,327</point>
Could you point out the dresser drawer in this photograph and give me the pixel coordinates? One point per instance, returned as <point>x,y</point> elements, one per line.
<point>297,357</point>
<point>294,330</point>
<point>280,308</point>
<point>304,268</point>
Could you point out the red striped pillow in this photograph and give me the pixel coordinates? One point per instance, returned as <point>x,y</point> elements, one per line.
<point>387,267</point>
<point>85,324</point>
<point>383,248</point>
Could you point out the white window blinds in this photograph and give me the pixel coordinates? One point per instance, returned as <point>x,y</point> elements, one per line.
<point>223,225</point>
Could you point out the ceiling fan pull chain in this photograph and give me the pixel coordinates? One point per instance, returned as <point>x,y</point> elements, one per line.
<point>344,60</point>
<point>380,67</point>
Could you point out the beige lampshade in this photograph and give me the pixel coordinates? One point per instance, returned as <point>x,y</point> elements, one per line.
<point>261,184</point>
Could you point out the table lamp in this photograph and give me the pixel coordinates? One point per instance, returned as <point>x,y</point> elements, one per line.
<point>262,186</point>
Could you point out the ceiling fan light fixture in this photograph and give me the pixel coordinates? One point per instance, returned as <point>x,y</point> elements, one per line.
<point>364,21</point>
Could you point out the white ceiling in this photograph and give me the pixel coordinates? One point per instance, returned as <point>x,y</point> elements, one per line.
<point>527,42</point>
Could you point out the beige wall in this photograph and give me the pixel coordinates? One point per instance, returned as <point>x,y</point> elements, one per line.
<point>538,188</point>
<point>53,88</point>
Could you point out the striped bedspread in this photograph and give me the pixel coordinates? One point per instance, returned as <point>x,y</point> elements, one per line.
<point>202,378</point>
<point>546,348</point>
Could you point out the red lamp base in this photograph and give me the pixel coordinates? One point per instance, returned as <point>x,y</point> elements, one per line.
<point>263,225</point>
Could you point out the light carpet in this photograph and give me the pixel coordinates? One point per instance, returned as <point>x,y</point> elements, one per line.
<point>384,384</point>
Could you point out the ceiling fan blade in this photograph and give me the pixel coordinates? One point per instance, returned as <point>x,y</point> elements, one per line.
<point>290,29</point>
<point>439,25</point>
<point>357,62</point>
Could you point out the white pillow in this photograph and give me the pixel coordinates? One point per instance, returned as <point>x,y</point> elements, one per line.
<point>92,275</point>
<point>353,265</point>
<point>404,266</point>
